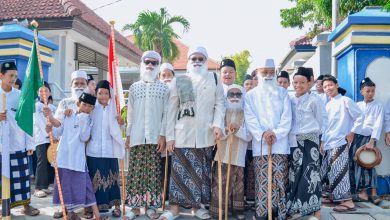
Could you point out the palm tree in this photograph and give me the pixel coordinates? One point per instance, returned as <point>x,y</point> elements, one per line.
<point>153,31</point>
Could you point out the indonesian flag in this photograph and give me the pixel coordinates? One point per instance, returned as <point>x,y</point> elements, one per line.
<point>113,74</point>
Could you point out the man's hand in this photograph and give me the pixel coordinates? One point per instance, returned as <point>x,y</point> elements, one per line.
<point>233,127</point>
<point>3,116</point>
<point>349,137</point>
<point>49,127</point>
<point>217,133</point>
<point>127,143</point>
<point>370,144</point>
<point>30,152</point>
<point>387,139</point>
<point>47,111</point>
<point>120,121</point>
<point>68,112</point>
<point>171,146</point>
<point>322,148</point>
<point>269,137</point>
<point>161,144</point>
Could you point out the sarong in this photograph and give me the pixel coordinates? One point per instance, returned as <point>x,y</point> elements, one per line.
<point>361,179</point>
<point>144,180</point>
<point>249,177</point>
<point>304,193</point>
<point>236,189</point>
<point>190,177</point>
<point>104,174</point>
<point>20,179</point>
<point>279,184</point>
<point>335,167</point>
<point>76,189</point>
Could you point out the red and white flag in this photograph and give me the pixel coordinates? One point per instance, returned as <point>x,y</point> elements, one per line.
<point>113,74</point>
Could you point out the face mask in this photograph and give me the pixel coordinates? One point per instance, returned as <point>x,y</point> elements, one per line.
<point>76,92</point>
<point>148,75</point>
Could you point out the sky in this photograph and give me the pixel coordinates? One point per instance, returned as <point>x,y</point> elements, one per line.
<point>223,27</point>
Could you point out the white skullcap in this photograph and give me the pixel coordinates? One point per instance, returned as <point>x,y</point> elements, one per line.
<point>79,74</point>
<point>151,54</point>
<point>235,86</point>
<point>269,63</point>
<point>165,66</point>
<point>198,49</point>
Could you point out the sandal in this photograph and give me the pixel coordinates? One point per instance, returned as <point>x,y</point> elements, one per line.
<point>202,214</point>
<point>59,214</point>
<point>40,193</point>
<point>30,211</point>
<point>73,216</point>
<point>152,214</point>
<point>116,213</point>
<point>357,198</point>
<point>326,201</point>
<point>375,200</point>
<point>130,215</point>
<point>343,208</point>
<point>168,215</point>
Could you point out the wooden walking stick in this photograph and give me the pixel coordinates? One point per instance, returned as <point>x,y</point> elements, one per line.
<point>228,174</point>
<point>219,184</point>
<point>269,182</point>
<point>34,24</point>
<point>118,109</point>
<point>165,179</point>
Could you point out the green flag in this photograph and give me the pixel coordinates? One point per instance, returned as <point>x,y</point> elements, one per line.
<point>32,82</point>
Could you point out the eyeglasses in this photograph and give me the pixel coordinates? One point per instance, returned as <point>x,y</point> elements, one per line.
<point>200,59</point>
<point>147,62</point>
<point>234,94</point>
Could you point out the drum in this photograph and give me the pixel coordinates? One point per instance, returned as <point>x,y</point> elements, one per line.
<point>368,158</point>
<point>52,147</point>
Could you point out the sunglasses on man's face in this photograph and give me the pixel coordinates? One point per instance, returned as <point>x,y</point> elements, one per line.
<point>147,62</point>
<point>234,94</point>
<point>200,59</point>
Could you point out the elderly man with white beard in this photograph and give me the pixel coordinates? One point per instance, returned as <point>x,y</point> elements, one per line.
<point>146,122</point>
<point>268,118</point>
<point>195,119</point>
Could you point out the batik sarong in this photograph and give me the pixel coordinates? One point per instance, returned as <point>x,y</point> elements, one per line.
<point>335,167</point>
<point>190,177</point>
<point>304,193</point>
<point>104,174</point>
<point>20,179</point>
<point>144,179</point>
<point>249,177</point>
<point>279,184</point>
<point>360,178</point>
<point>236,189</point>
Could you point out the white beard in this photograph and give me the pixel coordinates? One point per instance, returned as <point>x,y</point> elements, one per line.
<point>76,92</point>
<point>234,106</point>
<point>268,86</point>
<point>148,75</point>
<point>197,72</point>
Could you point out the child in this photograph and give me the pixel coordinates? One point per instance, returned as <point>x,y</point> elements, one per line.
<point>44,173</point>
<point>16,144</point>
<point>283,79</point>
<point>344,118</point>
<point>248,83</point>
<point>76,185</point>
<point>304,196</point>
<point>363,179</point>
<point>104,149</point>
<point>238,137</point>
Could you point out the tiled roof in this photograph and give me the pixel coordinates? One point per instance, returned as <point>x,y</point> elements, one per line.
<point>181,62</point>
<point>41,9</point>
<point>303,40</point>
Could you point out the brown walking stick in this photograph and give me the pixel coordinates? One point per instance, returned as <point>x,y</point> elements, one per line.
<point>269,182</point>
<point>219,185</point>
<point>165,179</point>
<point>228,175</point>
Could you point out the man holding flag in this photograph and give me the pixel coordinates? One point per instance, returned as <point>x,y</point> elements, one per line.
<point>16,135</point>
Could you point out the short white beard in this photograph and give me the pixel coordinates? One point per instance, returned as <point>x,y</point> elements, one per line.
<point>198,70</point>
<point>234,106</point>
<point>147,75</point>
<point>76,92</point>
<point>267,85</point>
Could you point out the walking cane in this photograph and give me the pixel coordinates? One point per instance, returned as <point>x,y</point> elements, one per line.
<point>165,179</point>
<point>219,183</point>
<point>228,174</point>
<point>269,182</point>
<point>34,24</point>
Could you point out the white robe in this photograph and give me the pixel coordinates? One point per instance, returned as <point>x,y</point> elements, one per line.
<point>387,117</point>
<point>40,122</point>
<point>373,119</point>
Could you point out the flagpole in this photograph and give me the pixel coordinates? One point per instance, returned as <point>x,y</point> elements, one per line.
<point>118,109</point>
<point>5,181</point>
<point>34,24</point>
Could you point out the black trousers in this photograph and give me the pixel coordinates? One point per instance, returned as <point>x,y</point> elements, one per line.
<point>44,175</point>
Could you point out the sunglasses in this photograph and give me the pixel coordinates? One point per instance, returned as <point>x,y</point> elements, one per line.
<point>147,62</point>
<point>200,59</point>
<point>234,94</point>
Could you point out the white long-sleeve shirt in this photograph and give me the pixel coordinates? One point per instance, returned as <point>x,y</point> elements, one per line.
<point>18,139</point>
<point>344,116</point>
<point>106,138</point>
<point>40,122</point>
<point>268,111</point>
<point>373,119</point>
<point>387,117</point>
<point>66,103</point>
<point>307,116</point>
<point>209,107</point>
<point>146,112</point>
<point>74,132</point>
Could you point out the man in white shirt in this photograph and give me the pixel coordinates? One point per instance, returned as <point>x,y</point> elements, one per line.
<point>387,123</point>
<point>228,73</point>
<point>268,117</point>
<point>146,123</point>
<point>195,119</point>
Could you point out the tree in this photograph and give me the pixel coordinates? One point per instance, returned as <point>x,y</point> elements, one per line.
<point>318,13</point>
<point>154,31</point>
<point>242,62</point>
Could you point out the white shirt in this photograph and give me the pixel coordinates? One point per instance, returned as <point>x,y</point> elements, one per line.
<point>387,117</point>
<point>324,98</point>
<point>307,116</point>
<point>268,111</point>
<point>344,116</point>
<point>18,139</point>
<point>146,112</point>
<point>209,106</point>
<point>40,121</point>
<point>66,103</point>
<point>373,119</point>
<point>106,138</point>
<point>74,132</point>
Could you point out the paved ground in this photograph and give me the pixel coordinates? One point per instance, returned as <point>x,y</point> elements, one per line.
<point>366,211</point>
